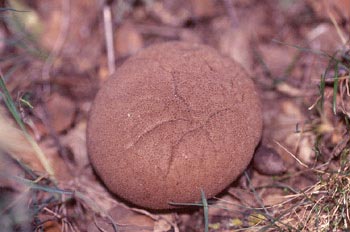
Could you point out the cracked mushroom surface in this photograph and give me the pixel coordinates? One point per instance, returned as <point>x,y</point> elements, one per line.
<point>174,119</point>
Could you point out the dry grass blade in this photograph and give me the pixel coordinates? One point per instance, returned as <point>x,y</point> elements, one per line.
<point>290,153</point>
<point>59,43</point>
<point>339,31</point>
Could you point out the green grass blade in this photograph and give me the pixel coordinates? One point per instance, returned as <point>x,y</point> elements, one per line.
<point>35,186</point>
<point>206,211</point>
<point>10,104</point>
<point>335,89</point>
<point>4,93</point>
<point>2,9</point>
<point>304,49</point>
<point>185,204</point>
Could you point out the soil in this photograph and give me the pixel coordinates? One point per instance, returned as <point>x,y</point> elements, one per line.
<point>55,57</point>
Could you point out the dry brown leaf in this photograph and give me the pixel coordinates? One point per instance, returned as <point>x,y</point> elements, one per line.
<point>277,58</point>
<point>290,90</point>
<point>285,125</point>
<point>61,112</point>
<point>75,139</point>
<point>126,219</point>
<point>162,226</point>
<point>202,8</point>
<point>245,197</point>
<point>235,43</point>
<point>224,205</point>
<point>306,152</point>
<point>286,121</point>
<point>171,12</point>
<point>189,36</point>
<point>273,199</point>
<point>340,9</point>
<point>52,226</point>
<point>70,27</point>
<point>12,139</point>
<point>13,142</point>
<point>322,38</point>
<point>51,151</point>
<point>127,40</point>
<point>268,162</point>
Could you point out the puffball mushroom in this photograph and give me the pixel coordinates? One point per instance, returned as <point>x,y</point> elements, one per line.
<point>174,119</point>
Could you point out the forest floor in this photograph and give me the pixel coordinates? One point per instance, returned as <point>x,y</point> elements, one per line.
<point>54,57</point>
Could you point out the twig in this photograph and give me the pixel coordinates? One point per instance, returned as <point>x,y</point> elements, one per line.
<point>107,21</point>
<point>256,196</point>
<point>231,12</point>
<point>59,42</point>
<point>331,81</point>
<point>52,212</point>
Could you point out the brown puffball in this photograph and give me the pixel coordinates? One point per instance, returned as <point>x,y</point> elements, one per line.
<point>174,119</point>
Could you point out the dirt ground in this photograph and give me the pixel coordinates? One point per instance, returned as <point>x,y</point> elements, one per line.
<point>55,54</point>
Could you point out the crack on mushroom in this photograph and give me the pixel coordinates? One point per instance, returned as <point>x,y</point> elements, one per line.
<point>189,49</point>
<point>216,113</point>
<point>178,142</point>
<point>201,127</point>
<point>153,128</point>
<point>231,83</point>
<point>177,95</point>
<point>210,139</point>
<point>175,88</point>
<point>242,97</point>
<point>173,147</point>
<point>141,59</point>
<point>162,67</point>
<point>209,66</point>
